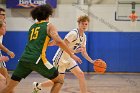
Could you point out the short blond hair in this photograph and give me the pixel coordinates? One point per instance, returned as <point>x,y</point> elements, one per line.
<point>83,18</point>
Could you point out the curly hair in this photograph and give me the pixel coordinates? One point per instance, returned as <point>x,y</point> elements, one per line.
<point>41,12</point>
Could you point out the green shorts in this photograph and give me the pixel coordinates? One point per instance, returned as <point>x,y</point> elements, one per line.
<point>24,68</point>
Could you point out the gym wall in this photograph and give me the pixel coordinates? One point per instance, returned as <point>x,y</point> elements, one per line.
<point>116,42</point>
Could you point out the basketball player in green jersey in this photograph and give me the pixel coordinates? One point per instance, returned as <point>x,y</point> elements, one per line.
<point>34,56</point>
<point>76,40</point>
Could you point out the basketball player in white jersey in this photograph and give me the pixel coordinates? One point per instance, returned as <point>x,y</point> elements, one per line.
<point>2,58</point>
<point>2,32</point>
<point>76,40</point>
<point>3,69</point>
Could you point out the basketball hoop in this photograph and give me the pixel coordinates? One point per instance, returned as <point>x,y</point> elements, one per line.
<point>133,17</point>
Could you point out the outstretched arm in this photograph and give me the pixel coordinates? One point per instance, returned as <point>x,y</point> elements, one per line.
<point>6,50</point>
<point>52,43</point>
<point>4,58</point>
<point>54,34</point>
<point>85,55</point>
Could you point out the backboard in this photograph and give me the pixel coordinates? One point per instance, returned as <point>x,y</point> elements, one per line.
<point>124,9</point>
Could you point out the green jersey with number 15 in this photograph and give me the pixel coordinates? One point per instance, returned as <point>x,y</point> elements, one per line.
<point>38,40</point>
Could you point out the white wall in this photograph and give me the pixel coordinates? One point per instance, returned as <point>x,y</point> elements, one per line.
<point>87,1</point>
<point>107,13</point>
<point>75,1</point>
<point>65,18</point>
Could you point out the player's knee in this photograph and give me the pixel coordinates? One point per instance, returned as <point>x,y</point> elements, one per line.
<point>81,75</point>
<point>60,81</point>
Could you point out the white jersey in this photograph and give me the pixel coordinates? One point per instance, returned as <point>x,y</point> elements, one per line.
<point>76,41</point>
<point>2,64</point>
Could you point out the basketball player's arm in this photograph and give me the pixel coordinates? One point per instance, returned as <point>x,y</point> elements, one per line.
<point>85,55</point>
<point>67,43</point>
<point>54,34</point>
<point>4,58</point>
<point>52,43</point>
<point>10,53</point>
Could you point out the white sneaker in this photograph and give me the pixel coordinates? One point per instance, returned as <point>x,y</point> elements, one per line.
<point>36,89</point>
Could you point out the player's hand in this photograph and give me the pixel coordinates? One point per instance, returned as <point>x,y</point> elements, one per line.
<point>92,61</point>
<point>76,58</point>
<point>52,43</point>
<point>4,58</point>
<point>95,60</point>
<point>11,54</point>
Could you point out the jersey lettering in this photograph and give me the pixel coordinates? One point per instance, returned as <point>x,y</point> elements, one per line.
<point>76,46</point>
<point>34,33</point>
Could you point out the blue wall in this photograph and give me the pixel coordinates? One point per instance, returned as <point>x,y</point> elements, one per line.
<point>120,50</point>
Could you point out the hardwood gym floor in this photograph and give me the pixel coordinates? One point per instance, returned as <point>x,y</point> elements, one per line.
<point>107,83</point>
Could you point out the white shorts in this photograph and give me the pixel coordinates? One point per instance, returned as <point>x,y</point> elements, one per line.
<point>2,64</point>
<point>64,64</point>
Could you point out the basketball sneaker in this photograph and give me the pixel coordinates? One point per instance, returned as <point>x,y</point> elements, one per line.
<point>36,89</point>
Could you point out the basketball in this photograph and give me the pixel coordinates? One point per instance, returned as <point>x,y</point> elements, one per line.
<point>99,66</point>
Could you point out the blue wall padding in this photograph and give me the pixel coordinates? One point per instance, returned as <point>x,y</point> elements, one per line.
<point>120,50</point>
